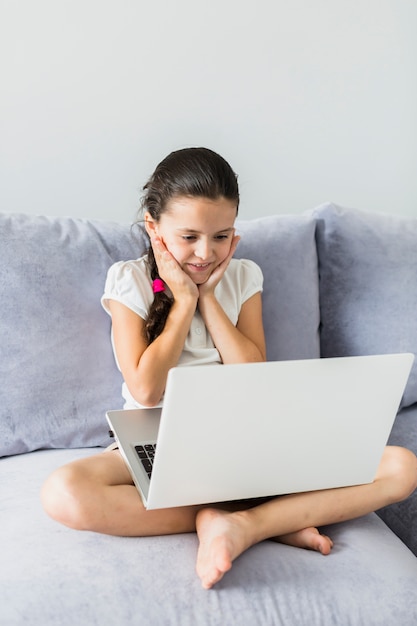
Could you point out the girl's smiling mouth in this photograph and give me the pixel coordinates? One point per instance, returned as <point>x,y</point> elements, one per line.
<point>199,266</point>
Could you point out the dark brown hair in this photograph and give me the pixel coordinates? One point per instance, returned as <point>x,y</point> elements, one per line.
<point>192,172</point>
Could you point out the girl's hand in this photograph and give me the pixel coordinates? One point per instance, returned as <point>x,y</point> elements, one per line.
<point>171,273</point>
<point>209,286</point>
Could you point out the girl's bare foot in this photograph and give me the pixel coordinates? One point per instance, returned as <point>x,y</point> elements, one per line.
<point>309,538</point>
<point>223,538</point>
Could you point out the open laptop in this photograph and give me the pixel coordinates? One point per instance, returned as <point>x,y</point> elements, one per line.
<point>229,432</point>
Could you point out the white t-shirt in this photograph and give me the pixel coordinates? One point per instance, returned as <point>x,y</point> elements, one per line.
<point>128,282</point>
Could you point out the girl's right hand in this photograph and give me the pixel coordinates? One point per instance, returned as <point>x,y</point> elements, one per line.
<point>171,272</point>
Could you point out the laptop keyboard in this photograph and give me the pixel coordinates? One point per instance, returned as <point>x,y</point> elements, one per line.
<point>146,454</point>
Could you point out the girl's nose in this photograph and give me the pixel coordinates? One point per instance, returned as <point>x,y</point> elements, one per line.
<point>202,249</point>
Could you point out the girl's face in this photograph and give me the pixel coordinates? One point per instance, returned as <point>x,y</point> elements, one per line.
<point>198,232</point>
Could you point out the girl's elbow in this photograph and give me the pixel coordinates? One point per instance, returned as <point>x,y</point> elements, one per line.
<point>148,399</point>
<point>257,355</point>
<point>150,403</point>
<point>145,396</point>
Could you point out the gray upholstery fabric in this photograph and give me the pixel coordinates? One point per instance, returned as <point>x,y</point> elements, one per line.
<point>368,284</point>
<point>52,575</point>
<point>57,369</point>
<point>284,247</point>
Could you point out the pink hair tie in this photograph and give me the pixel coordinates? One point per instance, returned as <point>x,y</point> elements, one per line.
<point>158,285</point>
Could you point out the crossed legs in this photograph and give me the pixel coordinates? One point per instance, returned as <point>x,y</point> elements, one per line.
<point>97,494</point>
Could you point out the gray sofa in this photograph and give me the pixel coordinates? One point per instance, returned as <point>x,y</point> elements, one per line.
<point>337,282</point>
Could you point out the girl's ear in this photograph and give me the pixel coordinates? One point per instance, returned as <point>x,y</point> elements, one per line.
<point>150,225</point>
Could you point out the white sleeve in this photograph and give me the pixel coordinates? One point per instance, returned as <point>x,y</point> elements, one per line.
<point>251,279</point>
<point>127,282</point>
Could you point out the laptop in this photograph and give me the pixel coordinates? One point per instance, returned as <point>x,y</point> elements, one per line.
<point>228,432</point>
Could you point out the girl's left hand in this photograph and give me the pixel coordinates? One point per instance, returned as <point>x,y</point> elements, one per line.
<point>209,286</point>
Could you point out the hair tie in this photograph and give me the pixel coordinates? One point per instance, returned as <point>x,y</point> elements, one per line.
<point>158,285</point>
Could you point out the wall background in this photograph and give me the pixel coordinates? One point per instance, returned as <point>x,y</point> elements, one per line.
<point>308,100</point>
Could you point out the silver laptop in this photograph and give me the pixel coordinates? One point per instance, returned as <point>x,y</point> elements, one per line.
<point>229,432</point>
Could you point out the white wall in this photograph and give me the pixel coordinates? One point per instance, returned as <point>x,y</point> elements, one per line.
<point>310,100</point>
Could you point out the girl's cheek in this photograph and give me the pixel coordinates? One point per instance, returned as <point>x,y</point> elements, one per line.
<point>227,249</point>
<point>175,250</point>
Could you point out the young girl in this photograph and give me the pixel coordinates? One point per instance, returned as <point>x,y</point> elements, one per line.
<point>188,301</point>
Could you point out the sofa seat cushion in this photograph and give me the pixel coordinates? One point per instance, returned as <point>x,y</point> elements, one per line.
<point>51,574</point>
<point>368,285</point>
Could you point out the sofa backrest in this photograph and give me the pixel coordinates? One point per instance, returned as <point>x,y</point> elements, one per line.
<point>57,370</point>
<point>368,285</point>
<point>337,282</point>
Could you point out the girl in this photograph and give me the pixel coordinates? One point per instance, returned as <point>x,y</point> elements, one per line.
<point>189,282</point>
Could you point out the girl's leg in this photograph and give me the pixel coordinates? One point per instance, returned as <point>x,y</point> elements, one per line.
<point>97,493</point>
<point>224,536</point>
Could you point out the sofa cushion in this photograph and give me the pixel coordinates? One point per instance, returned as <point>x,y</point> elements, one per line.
<point>51,575</point>
<point>285,249</point>
<point>368,285</point>
<point>57,369</point>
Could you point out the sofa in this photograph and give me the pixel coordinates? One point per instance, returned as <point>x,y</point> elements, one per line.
<point>338,281</point>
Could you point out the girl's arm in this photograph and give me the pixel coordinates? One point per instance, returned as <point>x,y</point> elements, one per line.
<point>145,368</point>
<point>243,343</point>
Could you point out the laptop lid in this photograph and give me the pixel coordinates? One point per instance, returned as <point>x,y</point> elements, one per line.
<point>262,429</point>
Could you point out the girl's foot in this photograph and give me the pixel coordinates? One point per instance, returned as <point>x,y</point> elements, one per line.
<point>223,538</point>
<point>308,538</point>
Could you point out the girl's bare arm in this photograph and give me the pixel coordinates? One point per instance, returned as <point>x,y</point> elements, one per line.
<point>145,368</point>
<point>243,343</point>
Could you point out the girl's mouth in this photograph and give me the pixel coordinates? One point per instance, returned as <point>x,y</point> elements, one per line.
<point>199,267</point>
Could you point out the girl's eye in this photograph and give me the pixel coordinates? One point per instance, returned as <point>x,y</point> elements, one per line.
<point>194,237</point>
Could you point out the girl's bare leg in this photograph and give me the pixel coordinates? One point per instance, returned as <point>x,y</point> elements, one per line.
<point>97,493</point>
<point>224,536</point>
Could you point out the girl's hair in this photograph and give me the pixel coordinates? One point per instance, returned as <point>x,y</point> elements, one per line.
<point>192,172</point>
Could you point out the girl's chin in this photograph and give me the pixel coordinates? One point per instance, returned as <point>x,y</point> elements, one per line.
<point>200,276</point>
<point>200,280</point>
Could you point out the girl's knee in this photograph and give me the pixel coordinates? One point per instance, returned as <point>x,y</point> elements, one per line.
<point>401,467</point>
<point>61,497</point>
